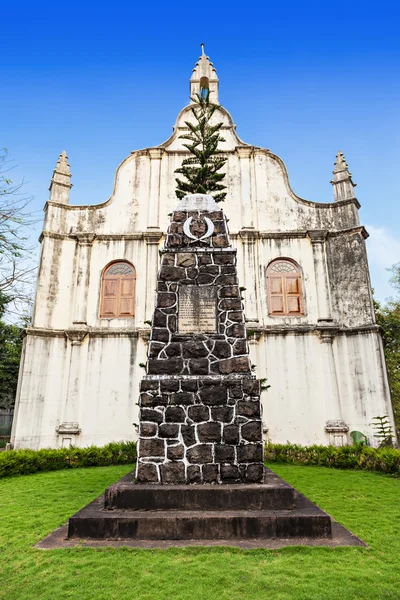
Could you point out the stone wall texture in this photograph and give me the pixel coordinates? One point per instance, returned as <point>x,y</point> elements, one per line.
<point>200,410</point>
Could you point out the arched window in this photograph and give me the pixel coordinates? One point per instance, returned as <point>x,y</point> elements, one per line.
<point>118,291</point>
<point>204,87</point>
<point>284,288</point>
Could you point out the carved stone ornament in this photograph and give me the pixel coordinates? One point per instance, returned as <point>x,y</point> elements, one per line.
<point>336,426</point>
<point>68,428</point>
<point>188,233</point>
<point>76,336</point>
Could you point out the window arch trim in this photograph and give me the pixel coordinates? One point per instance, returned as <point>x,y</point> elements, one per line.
<point>118,290</point>
<point>285,288</point>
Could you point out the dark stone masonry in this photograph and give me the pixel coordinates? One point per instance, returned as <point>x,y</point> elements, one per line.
<point>200,412</point>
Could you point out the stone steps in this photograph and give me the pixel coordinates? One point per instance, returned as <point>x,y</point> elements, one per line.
<point>198,525</point>
<point>271,510</point>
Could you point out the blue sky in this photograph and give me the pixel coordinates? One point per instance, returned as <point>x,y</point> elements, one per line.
<point>303,79</point>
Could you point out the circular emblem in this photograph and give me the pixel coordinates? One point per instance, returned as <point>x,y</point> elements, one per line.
<point>189,234</point>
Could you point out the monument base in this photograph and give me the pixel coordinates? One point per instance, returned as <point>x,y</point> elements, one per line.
<point>269,510</point>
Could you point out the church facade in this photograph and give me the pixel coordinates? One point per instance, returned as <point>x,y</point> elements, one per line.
<point>307,296</point>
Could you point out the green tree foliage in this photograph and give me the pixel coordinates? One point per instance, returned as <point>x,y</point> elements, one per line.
<point>388,317</point>
<point>201,170</point>
<point>10,353</point>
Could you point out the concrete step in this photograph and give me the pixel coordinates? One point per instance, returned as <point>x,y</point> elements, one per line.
<point>271,495</point>
<point>94,522</point>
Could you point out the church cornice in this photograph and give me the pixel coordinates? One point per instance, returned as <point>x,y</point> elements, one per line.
<point>155,236</point>
<point>253,332</point>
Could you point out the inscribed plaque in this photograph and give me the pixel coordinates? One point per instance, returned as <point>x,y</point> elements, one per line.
<point>197,310</point>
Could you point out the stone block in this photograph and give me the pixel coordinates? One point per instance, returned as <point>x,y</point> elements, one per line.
<point>199,413</point>
<point>250,453</point>
<point>173,473</point>
<point>240,347</point>
<point>235,391</point>
<point>147,429</point>
<point>213,395</point>
<point>201,453</point>
<point>159,319</point>
<point>188,434</point>
<point>175,452</point>
<point>166,299</point>
<point>155,349</point>
<point>182,398</point>
<point>231,434</point>
<point>194,349</point>
<point>248,408</point>
<point>173,350</point>
<point>148,414</point>
<point>151,447</point>
<point>179,216</point>
<point>147,473</point>
<point>148,384</point>
<point>192,272</point>
<point>254,473</point>
<point>205,279</point>
<point>211,270</point>
<point>239,364</point>
<point>186,260</point>
<point>189,385</point>
<point>229,472</point>
<point>193,474</point>
<point>171,366</point>
<point>174,414</point>
<point>237,330</point>
<point>230,304</point>
<point>222,413</point>
<point>171,273</point>
<point>168,430</point>
<point>198,366</point>
<point>224,453</point>
<point>236,315</point>
<point>209,432</point>
<point>168,260</point>
<point>160,334</point>
<point>251,431</point>
<point>251,386</point>
<point>222,349</point>
<point>230,291</point>
<point>210,473</point>
<point>225,258</point>
<point>169,385</point>
<point>172,323</point>
<point>204,259</point>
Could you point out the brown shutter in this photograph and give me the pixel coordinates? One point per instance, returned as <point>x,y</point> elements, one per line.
<point>276,296</point>
<point>293,295</point>
<point>126,296</point>
<point>110,297</point>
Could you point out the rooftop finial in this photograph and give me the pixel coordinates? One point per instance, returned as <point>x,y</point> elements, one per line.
<point>202,49</point>
<point>343,185</point>
<point>60,184</point>
<point>340,163</point>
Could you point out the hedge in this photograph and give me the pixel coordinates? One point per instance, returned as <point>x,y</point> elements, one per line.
<point>23,462</point>
<point>384,460</point>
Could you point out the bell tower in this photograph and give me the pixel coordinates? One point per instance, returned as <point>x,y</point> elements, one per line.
<point>204,79</point>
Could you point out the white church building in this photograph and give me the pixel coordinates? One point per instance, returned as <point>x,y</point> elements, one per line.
<point>307,298</point>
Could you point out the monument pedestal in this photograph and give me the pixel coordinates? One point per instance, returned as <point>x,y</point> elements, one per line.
<point>265,511</point>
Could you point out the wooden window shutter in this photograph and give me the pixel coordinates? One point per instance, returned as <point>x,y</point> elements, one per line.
<point>284,288</point>
<point>118,291</point>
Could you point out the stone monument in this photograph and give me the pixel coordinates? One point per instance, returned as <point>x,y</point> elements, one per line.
<point>200,419</point>
<point>200,472</point>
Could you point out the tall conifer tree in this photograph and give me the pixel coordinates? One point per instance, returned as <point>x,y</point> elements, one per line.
<point>202,169</point>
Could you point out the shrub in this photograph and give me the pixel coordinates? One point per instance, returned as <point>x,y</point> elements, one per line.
<point>384,460</point>
<point>23,462</point>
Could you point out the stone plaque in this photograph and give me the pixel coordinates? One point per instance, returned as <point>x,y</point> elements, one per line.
<point>197,310</point>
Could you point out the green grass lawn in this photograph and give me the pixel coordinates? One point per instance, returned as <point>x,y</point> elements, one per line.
<point>33,505</point>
